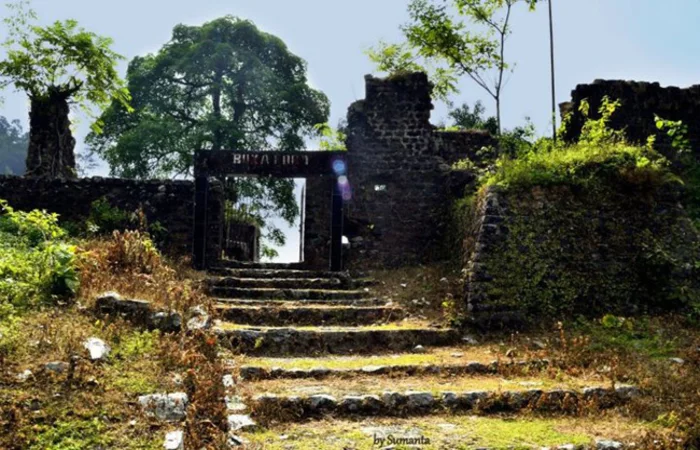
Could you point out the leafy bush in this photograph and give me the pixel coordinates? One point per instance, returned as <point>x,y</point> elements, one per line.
<point>105,218</point>
<point>36,263</point>
<point>600,151</point>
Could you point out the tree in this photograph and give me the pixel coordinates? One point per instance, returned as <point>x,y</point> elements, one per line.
<point>13,147</point>
<point>435,34</point>
<point>224,85</point>
<point>466,118</point>
<point>57,65</point>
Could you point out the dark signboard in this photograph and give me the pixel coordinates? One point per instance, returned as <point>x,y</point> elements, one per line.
<point>278,164</point>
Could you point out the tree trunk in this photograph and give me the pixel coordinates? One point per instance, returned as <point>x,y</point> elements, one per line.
<point>51,142</point>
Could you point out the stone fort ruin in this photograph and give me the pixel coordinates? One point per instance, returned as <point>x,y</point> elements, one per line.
<point>399,168</point>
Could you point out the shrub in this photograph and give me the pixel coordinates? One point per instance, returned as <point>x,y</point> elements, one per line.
<point>601,152</point>
<point>133,251</point>
<point>105,218</point>
<point>36,263</point>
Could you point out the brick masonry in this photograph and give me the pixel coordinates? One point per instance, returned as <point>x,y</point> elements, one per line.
<point>400,173</point>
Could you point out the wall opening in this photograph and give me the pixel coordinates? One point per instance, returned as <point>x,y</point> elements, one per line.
<point>264,219</point>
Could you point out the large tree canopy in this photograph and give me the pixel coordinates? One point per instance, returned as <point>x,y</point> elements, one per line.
<point>13,147</point>
<point>222,85</point>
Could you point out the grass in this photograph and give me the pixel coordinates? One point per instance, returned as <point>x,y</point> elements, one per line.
<point>93,406</point>
<point>435,384</point>
<point>421,290</point>
<point>456,432</point>
<point>436,356</point>
<point>396,326</point>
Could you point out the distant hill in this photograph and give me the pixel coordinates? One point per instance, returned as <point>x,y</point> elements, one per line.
<point>13,147</point>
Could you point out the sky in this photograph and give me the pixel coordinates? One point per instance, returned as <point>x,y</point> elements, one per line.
<point>645,40</point>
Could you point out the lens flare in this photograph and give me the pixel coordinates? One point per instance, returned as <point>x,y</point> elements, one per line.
<point>344,188</point>
<point>339,167</point>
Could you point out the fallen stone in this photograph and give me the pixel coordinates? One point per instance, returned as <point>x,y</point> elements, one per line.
<point>97,348</point>
<point>133,310</point>
<point>608,445</point>
<point>679,361</point>
<point>470,340</point>
<point>538,345</point>
<point>627,391</point>
<point>24,376</point>
<point>457,355</point>
<point>167,322</point>
<point>235,441</point>
<point>228,381</point>
<point>56,366</point>
<point>174,440</point>
<point>198,319</point>
<point>419,349</point>
<point>167,407</point>
<point>235,404</point>
<point>240,422</point>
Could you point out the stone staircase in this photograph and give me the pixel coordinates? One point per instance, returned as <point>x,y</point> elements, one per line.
<point>319,345</point>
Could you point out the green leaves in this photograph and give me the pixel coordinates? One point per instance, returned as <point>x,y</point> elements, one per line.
<point>449,39</point>
<point>61,59</point>
<point>222,85</point>
<point>35,262</point>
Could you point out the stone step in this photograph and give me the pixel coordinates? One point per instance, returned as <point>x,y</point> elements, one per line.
<point>308,315</point>
<point>232,264</point>
<point>276,273</point>
<point>292,294</point>
<point>276,283</point>
<point>397,402</point>
<point>445,431</point>
<point>258,373</point>
<point>331,340</point>
<point>288,302</point>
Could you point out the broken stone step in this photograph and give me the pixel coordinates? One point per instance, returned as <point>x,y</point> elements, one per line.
<point>294,294</point>
<point>276,283</point>
<point>231,264</point>
<point>274,303</point>
<point>256,373</point>
<point>395,403</point>
<point>277,273</point>
<point>331,340</point>
<point>308,315</point>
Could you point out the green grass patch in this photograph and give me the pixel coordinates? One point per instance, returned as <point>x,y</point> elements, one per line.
<point>461,432</point>
<point>438,356</point>
<point>433,384</point>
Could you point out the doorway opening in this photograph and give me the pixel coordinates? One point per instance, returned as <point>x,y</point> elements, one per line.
<point>264,219</point>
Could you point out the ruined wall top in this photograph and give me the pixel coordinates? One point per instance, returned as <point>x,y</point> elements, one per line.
<point>640,102</point>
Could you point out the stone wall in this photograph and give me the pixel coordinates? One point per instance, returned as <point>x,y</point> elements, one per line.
<point>556,252</point>
<point>399,171</point>
<point>168,202</point>
<point>640,101</point>
<point>317,224</point>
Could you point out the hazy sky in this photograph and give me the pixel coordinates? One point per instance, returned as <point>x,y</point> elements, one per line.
<point>646,40</point>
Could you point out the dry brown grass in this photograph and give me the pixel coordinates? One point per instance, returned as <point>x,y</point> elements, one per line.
<point>432,292</point>
<point>97,401</point>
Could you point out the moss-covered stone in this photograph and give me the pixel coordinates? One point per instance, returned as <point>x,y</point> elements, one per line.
<point>617,245</point>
